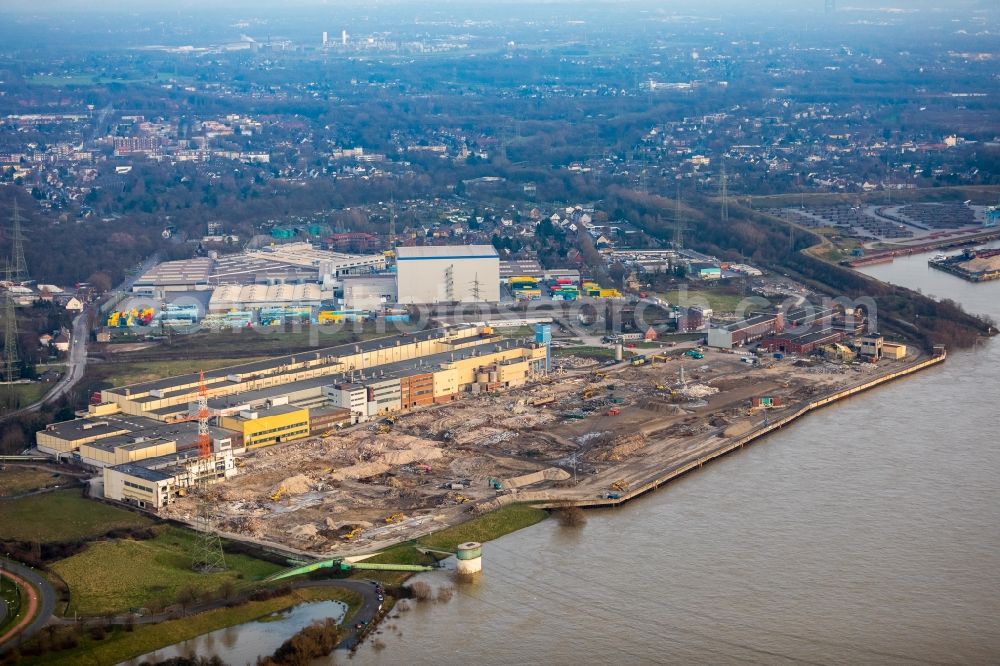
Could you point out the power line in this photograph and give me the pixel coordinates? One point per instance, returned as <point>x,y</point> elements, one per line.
<point>10,357</point>
<point>679,226</point>
<point>724,193</point>
<point>20,267</point>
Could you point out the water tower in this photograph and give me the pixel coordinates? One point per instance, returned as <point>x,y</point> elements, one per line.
<point>470,558</point>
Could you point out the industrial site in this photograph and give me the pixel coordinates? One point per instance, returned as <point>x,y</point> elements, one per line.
<point>352,448</point>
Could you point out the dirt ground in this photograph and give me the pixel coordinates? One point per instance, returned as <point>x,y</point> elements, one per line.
<point>378,483</point>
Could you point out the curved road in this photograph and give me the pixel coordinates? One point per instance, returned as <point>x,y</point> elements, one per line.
<point>75,365</point>
<point>41,603</point>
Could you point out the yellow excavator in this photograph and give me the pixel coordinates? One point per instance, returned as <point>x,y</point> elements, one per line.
<point>278,494</point>
<point>621,485</point>
<point>395,518</point>
<point>353,534</point>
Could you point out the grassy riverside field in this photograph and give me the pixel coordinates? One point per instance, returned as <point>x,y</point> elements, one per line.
<point>62,515</point>
<point>15,608</point>
<point>120,645</point>
<point>17,480</point>
<point>596,353</point>
<point>146,572</point>
<point>125,373</point>
<point>490,526</point>
<point>718,300</point>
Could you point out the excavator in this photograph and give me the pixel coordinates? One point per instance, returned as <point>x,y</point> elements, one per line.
<point>278,494</point>
<point>395,518</point>
<point>621,485</point>
<point>353,534</point>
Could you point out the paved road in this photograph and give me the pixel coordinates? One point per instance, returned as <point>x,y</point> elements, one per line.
<point>370,605</point>
<point>75,366</point>
<point>41,603</point>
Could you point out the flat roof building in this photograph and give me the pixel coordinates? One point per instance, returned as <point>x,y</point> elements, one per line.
<point>369,292</point>
<point>289,263</point>
<point>448,274</point>
<point>259,296</point>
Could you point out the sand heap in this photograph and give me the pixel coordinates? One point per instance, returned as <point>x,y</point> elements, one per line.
<point>294,485</point>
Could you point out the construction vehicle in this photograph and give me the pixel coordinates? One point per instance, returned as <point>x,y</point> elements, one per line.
<point>694,353</point>
<point>459,499</point>
<point>495,484</point>
<point>426,469</point>
<point>614,496</point>
<point>661,387</point>
<point>395,518</point>
<point>621,485</point>
<point>382,429</point>
<point>278,494</point>
<point>353,534</point>
<point>614,411</point>
<point>640,360</point>
<point>588,394</point>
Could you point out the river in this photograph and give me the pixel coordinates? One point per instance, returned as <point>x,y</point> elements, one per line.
<point>866,533</point>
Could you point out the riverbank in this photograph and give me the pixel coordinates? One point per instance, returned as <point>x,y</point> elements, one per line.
<point>639,487</point>
<point>862,534</point>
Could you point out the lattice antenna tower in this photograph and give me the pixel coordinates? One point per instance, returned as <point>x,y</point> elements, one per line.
<point>724,193</point>
<point>449,283</point>
<point>476,288</point>
<point>678,221</point>
<point>20,267</point>
<point>208,556</point>
<point>10,357</point>
<point>392,224</point>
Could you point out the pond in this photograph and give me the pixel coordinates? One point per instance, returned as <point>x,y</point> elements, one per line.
<point>244,643</point>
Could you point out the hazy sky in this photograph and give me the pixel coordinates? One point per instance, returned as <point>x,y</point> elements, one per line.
<point>457,5</point>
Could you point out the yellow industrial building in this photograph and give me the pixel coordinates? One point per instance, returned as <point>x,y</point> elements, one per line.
<point>281,423</point>
<point>140,433</point>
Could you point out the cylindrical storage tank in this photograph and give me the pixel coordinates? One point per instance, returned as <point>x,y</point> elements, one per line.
<point>618,352</point>
<point>470,557</point>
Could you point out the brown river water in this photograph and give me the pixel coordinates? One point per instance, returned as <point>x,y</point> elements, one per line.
<point>866,533</point>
